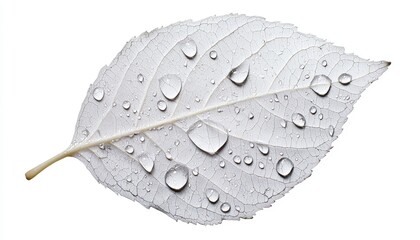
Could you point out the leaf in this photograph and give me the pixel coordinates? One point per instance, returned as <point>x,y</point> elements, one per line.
<point>216,119</point>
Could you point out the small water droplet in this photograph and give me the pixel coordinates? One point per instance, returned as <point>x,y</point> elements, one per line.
<point>213,54</point>
<point>129,179</point>
<point>251,145</point>
<point>263,149</point>
<point>140,77</point>
<point>324,63</point>
<point>237,110</point>
<point>261,165</point>
<point>321,85</point>
<point>321,116</point>
<point>284,167</point>
<point>225,207</point>
<point>195,171</point>
<point>345,78</point>
<point>248,160</point>
<point>170,86</point>
<point>197,99</point>
<point>146,162</point>
<point>212,195</point>
<point>251,116</point>
<point>237,159</point>
<point>307,76</point>
<point>126,105</point>
<point>208,136</point>
<point>98,94</point>
<point>230,151</point>
<point>212,81</point>
<point>129,149</point>
<point>102,146</point>
<point>141,139</point>
<point>239,74</point>
<point>168,155</point>
<point>283,123</point>
<point>161,105</point>
<point>299,120</point>
<point>331,130</point>
<point>85,132</point>
<point>312,110</point>
<point>222,164</point>
<point>177,177</point>
<point>177,142</point>
<point>189,48</point>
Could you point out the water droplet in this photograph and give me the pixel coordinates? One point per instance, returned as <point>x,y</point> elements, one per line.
<point>261,165</point>
<point>321,85</point>
<point>222,164</point>
<point>85,132</point>
<point>307,76</point>
<point>177,142</point>
<point>129,149</point>
<point>299,120</point>
<point>283,123</point>
<point>168,155</point>
<point>248,160</point>
<point>98,94</point>
<point>141,139</point>
<point>126,105</point>
<point>239,74</point>
<point>213,54</point>
<point>251,145</point>
<point>212,195</point>
<point>225,207</point>
<point>208,136</point>
<point>284,167</point>
<point>286,97</point>
<point>324,63</point>
<point>146,162</point>
<point>170,86</point>
<point>345,78</point>
<point>237,159</point>
<point>197,99</point>
<point>331,130</point>
<point>230,151</point>
<point>102,146</point>
<point>321,116</point>
<point>195,171</point>
<point>177,177</point>
<point>251,116</point>
<point>312,110</point>
<point>161,105</point>
<point>237,110</point>
<point>189,48</point>
<point>263,149</point>
<point>140,77</point>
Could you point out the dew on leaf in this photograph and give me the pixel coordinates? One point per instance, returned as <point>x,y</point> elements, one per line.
<point>146,162</point>
<point>239,74</point>
<point>208,136</point>
<point>161,105</point>
<point>177,177</point>
<point>263,149</point>
<point>345,78</point>
<point>312,110</point>
<point>129,149</point>
<point>237,159</point>
<point>321,85</point>
<point>98,94</point>
<point>225,207</point>
<point>299,120</point>
<point>212,195</point>
<point>189,48</point>
<point>331,130</point>
<point>248,160</point>
<point>126,105</point>
<point>140,77</point>
<point>213,54</point>
<point>170,86</point>
<point>284,167</point>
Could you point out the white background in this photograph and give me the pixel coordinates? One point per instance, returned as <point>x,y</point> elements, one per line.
<point>368,187</point>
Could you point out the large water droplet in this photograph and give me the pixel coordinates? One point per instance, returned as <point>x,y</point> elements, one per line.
<point>129,149</point>
<point>239,74</point>
<point>177,177</point>
<point>263,149</point>
<point>212,195</point>
<point>284,167</point>
<point>208,136</point>
<point>170,86</point>
<point>299,120</point>
<point>161,105</point>
<point>345,78</point>
<point>126,105</point>
<point>146,162</point>
<point>248,160</point>
<point>213,54</point>
<point>225,207</point>
<point>98,94</point>
<point>189,48</point>
<point>321,85</point>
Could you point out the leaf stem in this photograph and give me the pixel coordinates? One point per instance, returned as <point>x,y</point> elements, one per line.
<point>36,170</point>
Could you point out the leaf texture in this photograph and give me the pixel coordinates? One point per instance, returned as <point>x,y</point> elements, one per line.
<point>216,119</point>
